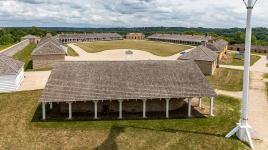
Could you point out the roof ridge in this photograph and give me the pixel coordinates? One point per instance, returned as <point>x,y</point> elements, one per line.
<point>8,64</point>
<point>206,53</point>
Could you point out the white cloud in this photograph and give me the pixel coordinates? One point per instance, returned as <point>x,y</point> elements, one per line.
<point>129,13</point>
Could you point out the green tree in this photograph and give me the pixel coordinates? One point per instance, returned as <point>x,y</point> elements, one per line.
<point>6,39</point>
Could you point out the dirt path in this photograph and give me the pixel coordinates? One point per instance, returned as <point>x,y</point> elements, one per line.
<point>117,55</point>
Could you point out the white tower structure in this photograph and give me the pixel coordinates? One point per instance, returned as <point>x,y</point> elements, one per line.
<point>243,130</point>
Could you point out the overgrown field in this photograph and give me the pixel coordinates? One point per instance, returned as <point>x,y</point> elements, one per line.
<point>19,130</point>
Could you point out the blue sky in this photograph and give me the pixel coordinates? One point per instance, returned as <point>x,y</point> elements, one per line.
<point>130,13</point>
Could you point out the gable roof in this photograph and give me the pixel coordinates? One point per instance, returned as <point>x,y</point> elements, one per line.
<point>29,36</point>
<point>200,53</point>
<point>181,37</point>
<point>218,45</point>
<point>47,48</point>
<point>113,80</point>
<point>9,65</point>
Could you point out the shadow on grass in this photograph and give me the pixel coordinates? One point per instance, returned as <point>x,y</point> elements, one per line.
<point>110,141</point>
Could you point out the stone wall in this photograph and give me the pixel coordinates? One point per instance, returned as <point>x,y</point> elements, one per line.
<point>10,51</point>
<point>155,105</point>
<point>46,61</point>
<point>207,67</point>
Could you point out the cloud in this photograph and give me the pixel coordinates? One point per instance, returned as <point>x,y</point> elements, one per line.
<point>129,13</point>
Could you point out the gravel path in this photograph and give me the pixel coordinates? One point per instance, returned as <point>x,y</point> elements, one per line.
<point>258,104</point>
<point>117,55</point>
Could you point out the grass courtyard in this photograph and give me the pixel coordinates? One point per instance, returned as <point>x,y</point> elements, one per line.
<point>21,131</point>
<point>232,59</point>
<point>156,48</point>
<point>25,56</point>
<point>71,52</point>
<point>227,79</point>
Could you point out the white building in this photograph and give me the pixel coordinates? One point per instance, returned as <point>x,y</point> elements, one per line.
<point>11,73</point>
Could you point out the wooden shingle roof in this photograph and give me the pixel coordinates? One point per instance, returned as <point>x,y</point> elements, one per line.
<point>9,65</point>
<point>218,45</point>
<point>113,80</point>
<point>200,53</point>
<point>49,47</point>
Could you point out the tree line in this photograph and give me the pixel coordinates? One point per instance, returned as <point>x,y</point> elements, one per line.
<point>232,35</point>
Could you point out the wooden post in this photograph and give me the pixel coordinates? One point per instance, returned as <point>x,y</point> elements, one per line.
<point>200,103</point>
<point>50,105</point>
<point>70,110</point>
<point>211,106</point>
<point>95,109</point>
<point>120,109</point>
<point>167,108</point>
<point>144,108</point>
<point>189,107</point>
<point>43,110</point>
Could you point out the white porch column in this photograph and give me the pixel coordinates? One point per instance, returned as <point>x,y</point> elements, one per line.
<point>211,106</point>
<point>95,109</point>
<point>167,108</point>
<point>50,105</point>
<point>144,108</point>
<point>70,110</point>
<point>43,110</point>
<point>120,109</point>
<point>200,103</point>
<point>189,107</point>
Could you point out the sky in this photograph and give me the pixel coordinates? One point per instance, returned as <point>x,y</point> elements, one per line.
<point>130,13</point>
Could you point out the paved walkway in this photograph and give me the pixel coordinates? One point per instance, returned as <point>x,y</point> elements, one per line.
<point>34,80</point>
<point>258,104</point>
<point>116,55</point>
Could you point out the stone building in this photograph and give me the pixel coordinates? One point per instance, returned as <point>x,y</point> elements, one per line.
<point>47,53</point>
<point>11,73</point>
<point>254,48</point>
<point>31,38</point>
<point>205,58</point>
<point>220,47</point>
<point>88,37</point>
<point>135,36</point>
<point>95,88</point>
<point>182,39</point>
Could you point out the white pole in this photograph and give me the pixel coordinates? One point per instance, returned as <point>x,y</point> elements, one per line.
<point>211,106</point>
<point>243,129</point>
<point>247,64</point>
<point>120,109</point>
<point>70,110</point>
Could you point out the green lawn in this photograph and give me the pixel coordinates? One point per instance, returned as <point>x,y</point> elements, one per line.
<point>2,47</point>
<point>22,131</point>
<point>267,65</point>
<point>71,52</point>
<point>266,87</point>
<point>232,59</point>
<point>25,56</point>
<point>265,75</point>
<point>156,48</point>
<point>227,79</point>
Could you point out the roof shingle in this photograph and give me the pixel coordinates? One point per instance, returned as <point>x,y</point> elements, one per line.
<point>106,80</point>
<point>9,65</point>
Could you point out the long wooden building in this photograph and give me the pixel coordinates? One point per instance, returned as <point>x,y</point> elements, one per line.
<point>181,39</point>
<point>100,87</point>
<point>11,73</point>
<point>88,37</point>
<point>254,48</point>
